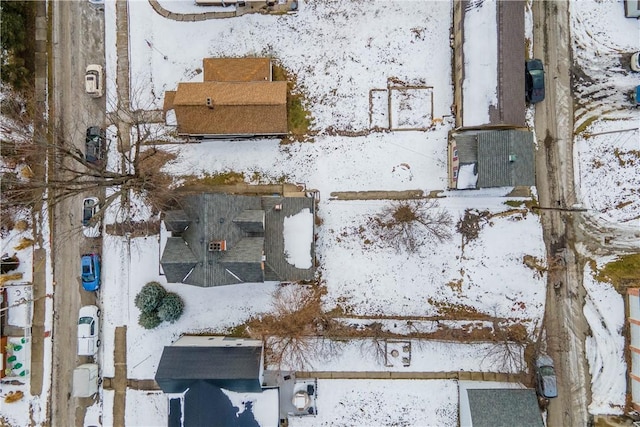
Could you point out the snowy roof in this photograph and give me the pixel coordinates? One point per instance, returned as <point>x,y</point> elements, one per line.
<point>251,228</point>
<point>234,368</point>
<point>505,158</point>
<point>493,51</point>
<point>205,404</point>
<point>496,407</point>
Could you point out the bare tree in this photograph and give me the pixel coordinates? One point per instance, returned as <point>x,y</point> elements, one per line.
<point>507,350</point>
<point>408,224</point>
<point>137,168</point>
<point>291,330</point>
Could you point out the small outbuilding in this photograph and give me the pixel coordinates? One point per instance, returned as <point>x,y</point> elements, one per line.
<point>491,158</point>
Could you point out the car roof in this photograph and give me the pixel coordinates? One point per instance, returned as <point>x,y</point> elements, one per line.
<point>544,360</point>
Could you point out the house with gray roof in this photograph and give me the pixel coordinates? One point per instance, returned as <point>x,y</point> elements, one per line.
<point>501,407</point>
<point>222,239</point>
<point>216,381</point>
<point>491,158</point>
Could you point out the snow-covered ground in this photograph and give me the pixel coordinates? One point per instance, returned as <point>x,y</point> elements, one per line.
<point>340,51</point>
<point>606,156</point>
<point>607,143</point>
<point>384,402</point>
<point>604,311</point>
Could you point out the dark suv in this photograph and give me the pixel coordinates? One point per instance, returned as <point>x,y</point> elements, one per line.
<point>94,145</point>
<point>534,81</point>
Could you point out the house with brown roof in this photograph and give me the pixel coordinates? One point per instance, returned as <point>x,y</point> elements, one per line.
<point>238,98</point>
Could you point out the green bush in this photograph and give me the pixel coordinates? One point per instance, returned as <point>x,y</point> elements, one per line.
<point>149,320</point>
<point>171,307</point>
<point>150,297</point>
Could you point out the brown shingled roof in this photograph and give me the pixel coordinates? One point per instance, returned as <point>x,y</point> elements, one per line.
<point>232,120</point>
<point>236,69</point>
<point>236,93</point>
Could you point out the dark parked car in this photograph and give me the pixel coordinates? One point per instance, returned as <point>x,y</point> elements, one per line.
<point>94,144</point>
<point>534,81</point>
<point>90,264</point>
<point>546,378</point>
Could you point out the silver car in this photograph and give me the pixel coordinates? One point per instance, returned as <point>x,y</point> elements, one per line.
<point>546,384</point>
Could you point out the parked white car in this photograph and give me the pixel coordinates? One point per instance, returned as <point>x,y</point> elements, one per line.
<point>88,330</point>
<point>93,80</point>
<point>90,225</point>
<point>635,61</point>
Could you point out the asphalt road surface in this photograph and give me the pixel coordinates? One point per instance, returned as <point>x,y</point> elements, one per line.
<point>77,33</point>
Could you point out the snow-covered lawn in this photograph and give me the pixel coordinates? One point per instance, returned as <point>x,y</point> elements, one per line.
<point>384,402</point>
<point>339,51</point>
<point>206,309</point>
<point>489,275</point>
<point>607,144</point>
<point>424,356</point>
<point>606,157</point>
<point>604,311</point>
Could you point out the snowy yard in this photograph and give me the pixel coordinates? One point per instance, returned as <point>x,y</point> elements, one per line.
<point>384,402</point>
<point>349,58</point>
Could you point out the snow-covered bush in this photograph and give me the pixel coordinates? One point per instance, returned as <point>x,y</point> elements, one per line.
<point>171,307</point>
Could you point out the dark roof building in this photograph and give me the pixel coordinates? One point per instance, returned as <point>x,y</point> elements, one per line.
<point>236,98</point>
<point>200,374</point>
<point>496,158</point>
<point>495,407</point>
<point>221,239</point>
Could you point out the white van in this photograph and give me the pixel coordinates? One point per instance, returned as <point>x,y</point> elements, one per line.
<point>85,380</point>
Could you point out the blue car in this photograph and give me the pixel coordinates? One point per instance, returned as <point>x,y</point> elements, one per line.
<point>90,264</point>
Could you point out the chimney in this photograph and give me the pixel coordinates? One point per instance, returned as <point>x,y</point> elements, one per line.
<point>210,103</point>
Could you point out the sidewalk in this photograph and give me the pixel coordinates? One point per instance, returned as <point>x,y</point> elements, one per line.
<point>38,332</point>
<point>386,375</point>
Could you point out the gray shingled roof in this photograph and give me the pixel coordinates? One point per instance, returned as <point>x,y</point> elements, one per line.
<point>252,229</point>
<point>231,368</point>
<point>504,408</point>
<point>505,158</point>
<point>177,259</point>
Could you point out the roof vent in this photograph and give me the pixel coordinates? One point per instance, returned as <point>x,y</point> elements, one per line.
<point>278,207</point>
<point>218,246</point>
<point>210,103</point>
<point>512,157</point>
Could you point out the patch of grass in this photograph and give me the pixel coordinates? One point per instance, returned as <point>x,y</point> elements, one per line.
<point>457,311</point>
<point>21,225</point>
<point>298,117</point>
<point>584,125</point>
<point>238,331</point>
<point>623,204</point>
<point>10,276</point>
<point>529,204</point>
<point>514,203</point>
<point>224,178</point>
<point>623,272</point>
<point>456,285</point>
<point>536,264</point>
<point>626,158</point>
<point>23,244</point>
